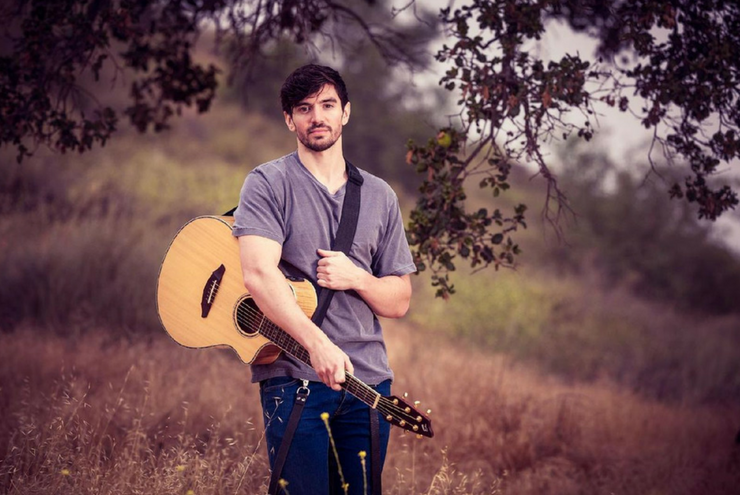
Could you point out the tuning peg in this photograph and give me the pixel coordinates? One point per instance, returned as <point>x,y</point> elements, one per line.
<point>416,403</point>
<point>416,428</point>
<point>389,418</point>
<point>402,423</point>
<point>419,436</point>
<point>429,411</point>
<point>405,395</point>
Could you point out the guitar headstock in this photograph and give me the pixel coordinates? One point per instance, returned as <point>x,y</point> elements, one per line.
<point>398,412</point>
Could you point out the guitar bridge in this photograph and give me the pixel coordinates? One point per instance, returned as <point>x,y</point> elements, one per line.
<point>210,290</point>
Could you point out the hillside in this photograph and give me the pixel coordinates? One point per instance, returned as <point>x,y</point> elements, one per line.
<point>542,380</point>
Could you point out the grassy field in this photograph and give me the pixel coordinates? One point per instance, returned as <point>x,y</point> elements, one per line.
<point>538,383</point>
<point>98,415</point>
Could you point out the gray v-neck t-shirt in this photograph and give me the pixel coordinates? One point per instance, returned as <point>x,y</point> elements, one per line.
<point>281,200</point>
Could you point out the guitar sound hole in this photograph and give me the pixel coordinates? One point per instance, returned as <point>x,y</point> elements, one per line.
<point>248,317</point>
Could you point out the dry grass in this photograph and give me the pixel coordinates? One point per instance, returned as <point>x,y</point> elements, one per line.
<point>98,416</point>
<point>527,433</point>
<point>104,416</point>
<point>581,329</point>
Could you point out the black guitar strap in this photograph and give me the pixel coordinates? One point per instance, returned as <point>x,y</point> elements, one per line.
<point>375,471</point>
<point>345,234</point>
<point>301,396</point>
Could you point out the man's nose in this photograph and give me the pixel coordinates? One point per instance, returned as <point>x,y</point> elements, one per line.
<point>317,115</point>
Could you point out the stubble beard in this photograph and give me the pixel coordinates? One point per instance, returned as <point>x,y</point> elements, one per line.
<point>319,145</point>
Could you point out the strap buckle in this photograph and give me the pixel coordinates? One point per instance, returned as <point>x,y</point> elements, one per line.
<point>306,391</point>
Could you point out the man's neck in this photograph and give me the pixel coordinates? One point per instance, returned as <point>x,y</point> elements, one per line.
<point>328,166</point>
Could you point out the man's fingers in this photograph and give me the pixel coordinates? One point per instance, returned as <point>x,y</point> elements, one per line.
<point>328,254</point>
<point>331,366</point>
<point>339,378</point>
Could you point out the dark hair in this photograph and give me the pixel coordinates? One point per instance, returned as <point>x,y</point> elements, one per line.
<point>308,80</point>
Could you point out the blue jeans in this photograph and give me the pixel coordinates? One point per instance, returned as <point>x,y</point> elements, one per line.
<point>310,467</point>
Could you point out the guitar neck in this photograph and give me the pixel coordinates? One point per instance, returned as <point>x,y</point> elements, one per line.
<point>289,345</point>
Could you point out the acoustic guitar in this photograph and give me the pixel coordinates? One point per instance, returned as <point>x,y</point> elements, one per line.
<point>202,302</point>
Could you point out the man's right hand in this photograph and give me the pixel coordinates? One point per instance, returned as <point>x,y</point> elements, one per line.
<point>264,280</point>
<point>330,363</point>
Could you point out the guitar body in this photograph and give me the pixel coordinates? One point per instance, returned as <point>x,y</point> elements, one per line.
<point>199,307</point>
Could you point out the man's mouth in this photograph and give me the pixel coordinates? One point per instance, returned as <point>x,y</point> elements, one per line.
<point>318,129</point>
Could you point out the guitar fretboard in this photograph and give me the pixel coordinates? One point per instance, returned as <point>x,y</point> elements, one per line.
<point>288,344</point>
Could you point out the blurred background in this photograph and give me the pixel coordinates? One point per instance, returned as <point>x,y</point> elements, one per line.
<point>608,361</point>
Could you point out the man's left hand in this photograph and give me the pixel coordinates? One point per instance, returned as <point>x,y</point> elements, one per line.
<point>337,272</point>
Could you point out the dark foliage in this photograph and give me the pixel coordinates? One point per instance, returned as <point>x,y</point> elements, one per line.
<point>51,43</point>
<point>48,46</point>
<point>683,84</point>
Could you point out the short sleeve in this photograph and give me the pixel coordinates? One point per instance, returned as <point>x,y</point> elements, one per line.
<point>393,256</point>
<point>259,212</point>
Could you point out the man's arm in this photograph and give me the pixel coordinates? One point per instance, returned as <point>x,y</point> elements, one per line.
<point>267,285</point>
<point>387,296</point>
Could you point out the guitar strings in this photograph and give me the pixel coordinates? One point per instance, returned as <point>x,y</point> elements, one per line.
<point>285,341</point>
<point>255,319</point>
<point>385,406</point>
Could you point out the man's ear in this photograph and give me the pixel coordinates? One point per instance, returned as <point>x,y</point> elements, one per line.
<point>289,121</point>
<point>345,113</point>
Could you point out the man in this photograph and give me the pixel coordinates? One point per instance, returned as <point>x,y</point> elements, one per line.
<point>288,215</point>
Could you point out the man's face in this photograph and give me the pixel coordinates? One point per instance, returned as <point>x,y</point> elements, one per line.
<point>318,119</point>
